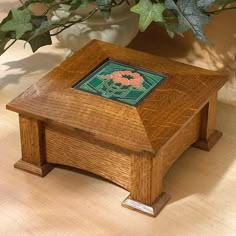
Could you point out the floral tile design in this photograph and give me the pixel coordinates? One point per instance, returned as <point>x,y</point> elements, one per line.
<point>120,82</point>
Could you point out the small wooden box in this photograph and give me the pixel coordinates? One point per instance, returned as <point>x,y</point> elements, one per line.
<point>122,114</point>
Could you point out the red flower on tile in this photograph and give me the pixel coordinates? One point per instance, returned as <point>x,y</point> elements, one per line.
<point>126,78</point>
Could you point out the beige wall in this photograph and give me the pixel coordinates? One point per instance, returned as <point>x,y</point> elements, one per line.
<point>219,56</point>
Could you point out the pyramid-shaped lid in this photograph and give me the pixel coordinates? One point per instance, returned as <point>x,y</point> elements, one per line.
<point>120,96</point>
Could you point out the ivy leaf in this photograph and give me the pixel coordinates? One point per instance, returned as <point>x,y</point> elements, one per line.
<point>43,28</point>
<point>4,39</point>
<point>47,25</point>
<point>204,4</point>
<point>39,40</point>
<point>3,42</point>
<point>172,29</point>
<point>148,12</point>
<point>78,3</point>
<point>20,22</point>
<point>191,16</point>
<point>105,7</point>
<point>42,39</point>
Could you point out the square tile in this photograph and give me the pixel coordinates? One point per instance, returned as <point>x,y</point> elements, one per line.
<point>120,82</point>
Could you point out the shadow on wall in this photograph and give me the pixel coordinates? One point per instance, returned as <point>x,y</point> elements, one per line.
<point>219,56</point>
<point>27,68</point>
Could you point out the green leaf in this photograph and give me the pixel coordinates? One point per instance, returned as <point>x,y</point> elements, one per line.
<point>204,4</point>
<point>75,4</point>
<point>3,42</point>
<point>48,25</point>
<point>4,38</point>
<point>172,29</point>
<point>35,40</point>
<point>20,22</point>
<point>45,27</point>
<point>191,16</point>
<point>148,12</point>
<point>105,7</point>
<point>42,39</point>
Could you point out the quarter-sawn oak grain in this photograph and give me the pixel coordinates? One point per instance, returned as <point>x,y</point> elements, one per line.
<point>132,146</point>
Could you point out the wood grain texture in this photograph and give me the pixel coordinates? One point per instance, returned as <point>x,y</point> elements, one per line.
<point>208,120</point>
<point>150,210</point>
<point>146,194</point>
<point>207,145</point>
<point>202,186</point>
<point>131,146</point>
<point>41,171</point>
<point>73,148</point>
<point>32,147</point>
<point>209,136</point>
<point>147,127</point>
<point>178,144</point>
<point>147,171</point>
<point>142,178</point>
<point>32,140</point>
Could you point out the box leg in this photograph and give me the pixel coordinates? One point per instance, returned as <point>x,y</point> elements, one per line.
<point>146,194</point>
<point>209,136</point>
<point>32,146</point>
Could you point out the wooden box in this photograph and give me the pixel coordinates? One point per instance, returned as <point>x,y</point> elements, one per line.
<point>122,114</point>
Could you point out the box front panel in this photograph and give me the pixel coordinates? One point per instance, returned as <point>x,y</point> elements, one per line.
<point>77,149</point>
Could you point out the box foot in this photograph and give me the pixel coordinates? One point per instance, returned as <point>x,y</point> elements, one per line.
<point>150,210</point>
<point>33,169</point>
<point>207,145</point>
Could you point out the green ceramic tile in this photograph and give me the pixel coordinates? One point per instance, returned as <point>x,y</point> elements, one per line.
<point>120,82</point>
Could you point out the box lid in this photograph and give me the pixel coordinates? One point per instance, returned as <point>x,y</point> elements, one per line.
<point>142,112</point>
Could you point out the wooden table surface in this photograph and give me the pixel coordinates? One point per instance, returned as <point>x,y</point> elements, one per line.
<point>69,202</point>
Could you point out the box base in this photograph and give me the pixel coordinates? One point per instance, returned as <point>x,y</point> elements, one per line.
<point>150,210</point>
<point>207,145</point>
<point>33,169</point>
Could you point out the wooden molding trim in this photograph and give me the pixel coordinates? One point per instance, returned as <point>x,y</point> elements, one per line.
<point>207,145</point>
<point>150,210</point>
<point>33,169</point>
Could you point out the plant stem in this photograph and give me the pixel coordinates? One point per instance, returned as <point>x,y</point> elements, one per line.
<point>50,8</point>
<point>9,45</point>
<point>75,22</point>
<point>115,3</point>
<point>21,2</point>
<point>224,8</point>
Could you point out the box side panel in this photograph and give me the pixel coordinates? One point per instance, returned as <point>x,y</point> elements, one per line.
<point>77,149</point>
<point>178,144</point>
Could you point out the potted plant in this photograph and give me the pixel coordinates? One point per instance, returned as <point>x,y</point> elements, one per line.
<point>176,17</point>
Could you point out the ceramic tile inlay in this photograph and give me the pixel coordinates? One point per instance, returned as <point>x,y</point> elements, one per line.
<point>120,82</point>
